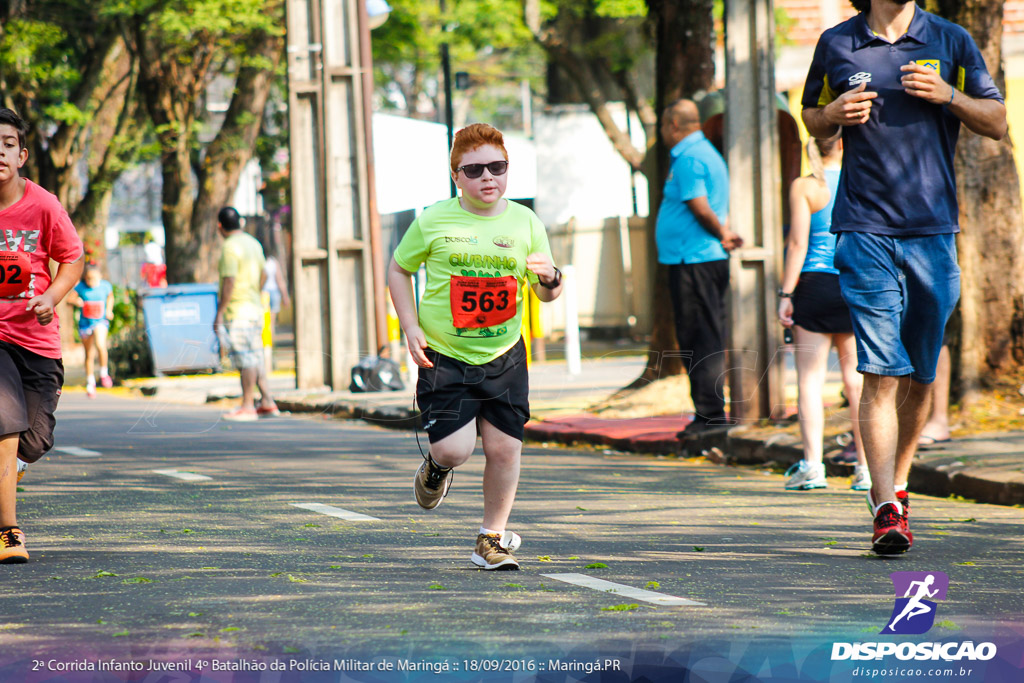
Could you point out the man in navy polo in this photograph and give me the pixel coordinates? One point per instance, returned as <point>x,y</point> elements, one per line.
<point>693,240</point>
<point>899,82</point>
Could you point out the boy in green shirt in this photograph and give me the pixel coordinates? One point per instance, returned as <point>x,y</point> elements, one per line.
<point>479,250</point>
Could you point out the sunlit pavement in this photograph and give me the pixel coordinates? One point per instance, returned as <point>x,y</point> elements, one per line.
<point>165,531</point>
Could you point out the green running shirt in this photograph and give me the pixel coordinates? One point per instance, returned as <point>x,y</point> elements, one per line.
<point>455,244</point>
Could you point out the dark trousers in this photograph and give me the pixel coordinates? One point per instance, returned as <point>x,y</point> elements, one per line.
<point>698,293</point>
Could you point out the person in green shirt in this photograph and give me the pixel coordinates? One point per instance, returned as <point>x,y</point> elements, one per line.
<point>479,250</point>
<point>239,321</point>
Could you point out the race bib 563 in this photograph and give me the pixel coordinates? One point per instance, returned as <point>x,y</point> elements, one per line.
<point>482,301</point>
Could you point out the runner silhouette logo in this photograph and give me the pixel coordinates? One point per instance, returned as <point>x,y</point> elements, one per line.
<point>916,592</point>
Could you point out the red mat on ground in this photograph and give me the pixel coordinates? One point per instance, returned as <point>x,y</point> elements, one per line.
<point>639,428</point>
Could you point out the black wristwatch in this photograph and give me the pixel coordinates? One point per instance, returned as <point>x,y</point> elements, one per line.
<point>785,295</point>
<point>554,283</point>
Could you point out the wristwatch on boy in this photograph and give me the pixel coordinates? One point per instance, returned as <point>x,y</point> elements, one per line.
<point>554,283</point>
<point>785,295</point>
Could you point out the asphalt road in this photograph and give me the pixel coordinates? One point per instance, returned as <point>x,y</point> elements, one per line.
<point>134,564</point>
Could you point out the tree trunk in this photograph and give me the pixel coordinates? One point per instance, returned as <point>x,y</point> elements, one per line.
<point>685,65</point>
<point>231,150</point>
<point>113,143</point>
<point>181,244</point>
<point>172,88</point>
<point>989,330</point>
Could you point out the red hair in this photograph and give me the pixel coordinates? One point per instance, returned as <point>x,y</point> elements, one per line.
<point>473,136</point>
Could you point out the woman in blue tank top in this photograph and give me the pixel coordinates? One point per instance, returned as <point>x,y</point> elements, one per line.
<point>811,304</point>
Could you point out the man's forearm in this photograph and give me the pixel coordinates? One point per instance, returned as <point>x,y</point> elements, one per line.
<point>712,225</point>
<point>227,286</point>
<point>983,116</point>
<point>817,123</point>
<point>708,219</point>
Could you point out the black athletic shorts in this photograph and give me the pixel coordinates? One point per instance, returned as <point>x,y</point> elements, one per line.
<point>452,393</point>
<point>30,387</point>
<point>818,305</point>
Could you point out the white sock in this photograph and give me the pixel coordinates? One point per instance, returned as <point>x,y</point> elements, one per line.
<point>899,506</point>
<point>103,371</point>
<point>22,465</point>
<point>90,381</point>
<point>491,531</point>
<point>901,487</point>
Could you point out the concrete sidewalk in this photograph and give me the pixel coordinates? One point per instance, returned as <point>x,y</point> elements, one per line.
<point>987,468</point>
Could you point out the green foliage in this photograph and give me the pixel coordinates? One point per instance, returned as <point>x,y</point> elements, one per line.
<point>34,59</point>
<point>487,39</point>
<point>129,352</point>
<point>125,314</point>
<point>621,608</point>
<point>620,9</point>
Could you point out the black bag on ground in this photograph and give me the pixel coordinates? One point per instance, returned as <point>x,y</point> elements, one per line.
<point>374,373</point>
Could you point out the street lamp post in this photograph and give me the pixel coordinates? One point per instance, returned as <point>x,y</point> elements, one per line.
<point>446,74</point>
<point>380,318</point>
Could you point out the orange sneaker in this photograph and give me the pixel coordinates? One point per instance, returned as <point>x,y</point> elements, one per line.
<point>12,546</point>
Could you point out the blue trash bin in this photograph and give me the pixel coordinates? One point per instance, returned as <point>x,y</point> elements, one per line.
<point>179,324</point>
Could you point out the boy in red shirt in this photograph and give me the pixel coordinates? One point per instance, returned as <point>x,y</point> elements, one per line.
<point>34,228</point>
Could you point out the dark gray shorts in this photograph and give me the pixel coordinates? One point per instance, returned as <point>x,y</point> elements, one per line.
<point>452,394</point>
<point>30,387</point>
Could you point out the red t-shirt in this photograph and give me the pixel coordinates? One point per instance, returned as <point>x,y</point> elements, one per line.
<point>33,230</point>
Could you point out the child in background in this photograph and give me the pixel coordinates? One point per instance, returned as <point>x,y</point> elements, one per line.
<point>95,297</point>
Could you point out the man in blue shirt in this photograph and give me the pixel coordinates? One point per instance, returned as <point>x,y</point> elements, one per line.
<point>898,82</point>
<point>693,240</point>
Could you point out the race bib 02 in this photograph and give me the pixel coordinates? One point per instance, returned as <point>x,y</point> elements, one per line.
<point>15,273</point>
<point>482,301</point>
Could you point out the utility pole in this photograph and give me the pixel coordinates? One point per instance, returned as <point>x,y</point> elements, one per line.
<point>332,255</point>
<point>752,143</point>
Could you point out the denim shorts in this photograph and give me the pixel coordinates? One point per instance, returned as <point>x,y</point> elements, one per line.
<point>901,291</point>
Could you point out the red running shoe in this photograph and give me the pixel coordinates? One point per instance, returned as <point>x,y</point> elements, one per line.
<point>904,498</point>
<point>892,533</point>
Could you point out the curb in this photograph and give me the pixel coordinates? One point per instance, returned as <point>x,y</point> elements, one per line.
<point>388,415</point>
<point>941,477</point>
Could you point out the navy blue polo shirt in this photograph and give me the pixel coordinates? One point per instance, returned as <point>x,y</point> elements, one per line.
<point>898,176</point>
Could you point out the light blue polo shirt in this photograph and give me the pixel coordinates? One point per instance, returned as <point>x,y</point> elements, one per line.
<point>898,176</point>
<point>697,170</point>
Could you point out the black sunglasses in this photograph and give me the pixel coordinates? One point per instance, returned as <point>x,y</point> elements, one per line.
<point>477,170</point>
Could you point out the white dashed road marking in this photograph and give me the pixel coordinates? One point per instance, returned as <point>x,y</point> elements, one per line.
<point>621,589</point>
<point>80,452</point>
<point>185,476</point>
<point>332,511</point>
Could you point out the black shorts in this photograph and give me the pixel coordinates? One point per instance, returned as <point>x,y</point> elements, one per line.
<point>452,393</point>
<point>30,387</point>
<point>818,305</point>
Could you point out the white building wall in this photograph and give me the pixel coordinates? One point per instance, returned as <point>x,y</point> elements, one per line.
<point>579,173</point>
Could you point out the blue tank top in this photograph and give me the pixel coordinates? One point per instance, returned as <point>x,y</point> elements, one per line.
<point>821,244</point>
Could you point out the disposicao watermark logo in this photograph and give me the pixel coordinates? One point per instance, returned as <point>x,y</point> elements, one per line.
<point>914,611</point>
<point>913,614</point>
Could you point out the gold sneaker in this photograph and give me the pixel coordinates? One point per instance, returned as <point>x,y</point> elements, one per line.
<point>494,551</point>
<point>431,484</point>
<point>12,546</point>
